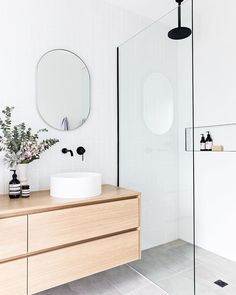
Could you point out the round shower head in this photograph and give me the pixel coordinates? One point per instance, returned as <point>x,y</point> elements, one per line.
<point>179,33</point>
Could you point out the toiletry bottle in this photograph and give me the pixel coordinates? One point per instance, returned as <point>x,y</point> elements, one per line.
<point>14,187</point>
<point>202,143</point>
<point>25,191</point>
<point>209,142</point>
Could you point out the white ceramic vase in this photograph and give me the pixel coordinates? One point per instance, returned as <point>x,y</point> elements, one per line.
<point>22,173</point>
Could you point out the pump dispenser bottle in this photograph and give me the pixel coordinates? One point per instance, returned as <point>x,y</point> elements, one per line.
<point>202,143</point>
<point>14,187</point>
<point>209,142</point>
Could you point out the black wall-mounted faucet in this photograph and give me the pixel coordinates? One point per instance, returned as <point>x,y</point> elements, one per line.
<point>80,151</point>
<point>65,151</point>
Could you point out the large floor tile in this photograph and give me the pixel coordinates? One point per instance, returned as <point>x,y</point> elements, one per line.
<point>125,279</point>
<point>230,289</point>
<point>149,290</point>
<point>166,260</point>
<point>97,284</point>
<point>178,284</point>
<point>61,290</point>
<point>152,268</point>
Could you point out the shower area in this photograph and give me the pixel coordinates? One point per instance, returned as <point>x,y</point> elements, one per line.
<point>155,108</point>
<point>159,155</point>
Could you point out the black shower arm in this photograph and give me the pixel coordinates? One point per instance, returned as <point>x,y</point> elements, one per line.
<point>179,12</point>
<point>179,15</point>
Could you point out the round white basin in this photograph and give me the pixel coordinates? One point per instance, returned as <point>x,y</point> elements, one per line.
<point>77,185</point>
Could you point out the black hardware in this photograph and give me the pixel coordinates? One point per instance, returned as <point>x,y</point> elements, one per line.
<point>118,113</point>
<point>80,151</point>
<point>65,151</point>
<point>221,283</point>
<point>180,32</point>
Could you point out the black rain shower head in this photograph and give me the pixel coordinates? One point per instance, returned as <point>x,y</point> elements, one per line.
<point>179,33</point>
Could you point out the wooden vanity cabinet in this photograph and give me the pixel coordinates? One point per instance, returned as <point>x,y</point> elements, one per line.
<point>46,242</point>
<point>57,267</point>
<point>13,277</point>
<point>77,224</point>
<point>13,237</point>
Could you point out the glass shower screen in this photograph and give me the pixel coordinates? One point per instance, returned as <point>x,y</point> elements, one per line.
<point>155,108</point>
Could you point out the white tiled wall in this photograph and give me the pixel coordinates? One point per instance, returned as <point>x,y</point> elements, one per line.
<point>92,29</point>
<point>215,103</point>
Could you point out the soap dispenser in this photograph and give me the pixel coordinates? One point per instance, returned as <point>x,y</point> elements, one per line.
<point>202,143</point>
<point>14,187</point>
<point>209,142</point>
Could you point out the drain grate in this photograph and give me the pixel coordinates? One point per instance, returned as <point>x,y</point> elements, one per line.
<point>221,283</point>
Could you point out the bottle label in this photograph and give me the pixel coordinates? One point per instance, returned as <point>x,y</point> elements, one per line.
<point>202,146</point>
<point>25,193</point>
<point>209,145</point>
<point>14,189</point>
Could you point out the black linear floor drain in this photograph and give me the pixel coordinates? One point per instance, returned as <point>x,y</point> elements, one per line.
<point>221,283</point>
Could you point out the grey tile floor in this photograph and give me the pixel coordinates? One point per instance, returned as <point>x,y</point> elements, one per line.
<point>121,280</point>
<point>168,266</point>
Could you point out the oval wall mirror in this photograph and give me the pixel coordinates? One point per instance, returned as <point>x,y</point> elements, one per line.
<point>63,89</point>
<point>158,103</point>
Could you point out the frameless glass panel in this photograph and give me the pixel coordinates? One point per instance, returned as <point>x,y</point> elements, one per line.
<point>155,74</point>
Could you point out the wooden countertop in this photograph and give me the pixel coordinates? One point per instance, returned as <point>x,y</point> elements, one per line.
<point>41,201</point>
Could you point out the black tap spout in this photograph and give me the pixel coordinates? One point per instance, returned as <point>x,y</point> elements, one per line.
<point>65,151</point>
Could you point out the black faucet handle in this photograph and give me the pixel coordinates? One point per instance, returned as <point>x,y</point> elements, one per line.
<point>80,151</point>
<point>65,151</point>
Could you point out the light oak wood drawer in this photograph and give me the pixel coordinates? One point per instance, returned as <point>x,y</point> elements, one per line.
<point>55,228</point>
<point>68,264</point>
<point>13,236</point>
<point>13,277</point>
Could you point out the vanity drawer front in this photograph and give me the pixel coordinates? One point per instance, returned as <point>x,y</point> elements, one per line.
<point>66,226</point>
<point>13,236</point>
<point>13,277</point>
<point>68,264</point>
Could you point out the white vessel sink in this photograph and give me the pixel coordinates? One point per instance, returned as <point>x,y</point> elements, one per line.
<point>77,185</point>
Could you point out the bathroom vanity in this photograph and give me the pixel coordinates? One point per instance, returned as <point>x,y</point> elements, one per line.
<point>46,241</point>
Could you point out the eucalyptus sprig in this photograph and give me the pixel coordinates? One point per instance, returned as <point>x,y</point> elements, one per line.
<point>19,143</point>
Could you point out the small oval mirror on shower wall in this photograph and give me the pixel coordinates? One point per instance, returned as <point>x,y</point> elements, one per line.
<point>63,89</point>
<point>158,104</point>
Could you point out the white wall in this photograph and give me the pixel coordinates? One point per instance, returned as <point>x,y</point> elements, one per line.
<point>152,9</point>
<point>92,29</point>
<point>215,103</point>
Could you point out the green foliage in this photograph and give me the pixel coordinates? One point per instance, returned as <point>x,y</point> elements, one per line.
<point>19,143</point>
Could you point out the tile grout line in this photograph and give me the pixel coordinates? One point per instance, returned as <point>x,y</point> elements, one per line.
<point>147,279</point>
